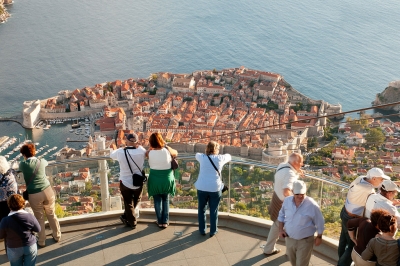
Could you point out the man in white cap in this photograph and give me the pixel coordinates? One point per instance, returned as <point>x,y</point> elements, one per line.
<point>299,218</point>
<point>354,206</point>
<point>131,160</point>
<point>384,200</point>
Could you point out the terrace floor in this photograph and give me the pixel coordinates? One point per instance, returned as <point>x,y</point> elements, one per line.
<point>114,244</point>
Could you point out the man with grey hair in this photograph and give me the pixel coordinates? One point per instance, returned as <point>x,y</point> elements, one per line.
<point>285,175</point>
<point>359,190</point>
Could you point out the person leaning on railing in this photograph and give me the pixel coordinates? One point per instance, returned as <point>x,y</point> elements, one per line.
<point>41,194</point>
<point>385,247</point>
<point>366,230</point>
<point>209,186</point>
<point>354,206</point>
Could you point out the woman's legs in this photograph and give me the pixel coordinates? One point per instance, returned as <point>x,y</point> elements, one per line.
<point>36,202</point>
<point>215,198</point>
<point>157,208</point>
<point>202,198</point>
<point>49,207</point>
<point>165,209</point>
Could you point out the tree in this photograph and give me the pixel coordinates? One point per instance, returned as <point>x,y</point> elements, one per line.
<point>59,211</point>
<point>375,137</point>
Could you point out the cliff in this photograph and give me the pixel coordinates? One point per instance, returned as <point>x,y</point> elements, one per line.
<point>389,95</point>
<point>4,15</point>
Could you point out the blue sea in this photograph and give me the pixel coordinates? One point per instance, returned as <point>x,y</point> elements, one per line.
<point>339,51</point>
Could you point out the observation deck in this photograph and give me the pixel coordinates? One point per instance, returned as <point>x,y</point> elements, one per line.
<point>99,238</point>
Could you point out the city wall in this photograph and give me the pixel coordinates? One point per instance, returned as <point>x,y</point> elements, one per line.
<point>45,115</point>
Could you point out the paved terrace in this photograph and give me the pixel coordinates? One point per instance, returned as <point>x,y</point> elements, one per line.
<point>101,239</point>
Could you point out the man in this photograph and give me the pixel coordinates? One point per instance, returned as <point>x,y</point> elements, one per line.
<point>131,194</point>
<point>384,200</point>
<point>299,218</point>
<point>285,175</point>
<point>354,206</point>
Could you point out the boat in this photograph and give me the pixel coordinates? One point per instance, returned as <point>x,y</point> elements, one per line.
<point>71,130</point>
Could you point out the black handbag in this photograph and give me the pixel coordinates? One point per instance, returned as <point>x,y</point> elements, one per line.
<point>174,162</point>
<point>225,188</point>
<point>25,194</point>
<point>137,180</point>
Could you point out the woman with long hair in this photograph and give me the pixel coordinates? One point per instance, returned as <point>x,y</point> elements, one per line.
<point>161,182</point>
<point>385,247</point>
<point>17,228</point>
<point>209,185</point>
<point>41,195</point>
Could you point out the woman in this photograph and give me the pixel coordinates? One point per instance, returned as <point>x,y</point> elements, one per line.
<point>17,228</point>
<point>367,229</point>
<point>209,185</point>
<point>161,181</point>
<point>8,186</point>
<point>384,247</point>
<point>41,195</point>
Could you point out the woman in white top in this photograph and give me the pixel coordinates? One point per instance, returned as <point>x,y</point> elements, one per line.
<point>209,185</point>
<point>161,181</point>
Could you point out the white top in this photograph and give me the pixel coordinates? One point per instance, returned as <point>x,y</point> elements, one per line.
<point>284,178</point>
<point>125,174</point>
<point>377,201</point>
<point>303,221</point>
<point>160,159</point>
<point>209,179</point>
<point>357,195</point>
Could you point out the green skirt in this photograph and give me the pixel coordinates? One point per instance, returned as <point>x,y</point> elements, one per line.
<point>161,182</point>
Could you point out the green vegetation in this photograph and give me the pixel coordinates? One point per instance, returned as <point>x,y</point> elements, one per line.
<point>270,106</point>
<point>187,99</point>
<point>375,137</point>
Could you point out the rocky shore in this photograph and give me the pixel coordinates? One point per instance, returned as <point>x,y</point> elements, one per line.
<point>4,15</point>
<point>389,95</point>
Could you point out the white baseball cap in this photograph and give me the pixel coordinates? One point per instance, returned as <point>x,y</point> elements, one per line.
<point>377,172</point>
<point>299,187</point>
<point>389,185</point>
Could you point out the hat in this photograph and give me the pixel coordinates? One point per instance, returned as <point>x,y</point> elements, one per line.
<point>389,185</point>
<point>376,172</point>
<point>132,137</point>
<point>299,187</point>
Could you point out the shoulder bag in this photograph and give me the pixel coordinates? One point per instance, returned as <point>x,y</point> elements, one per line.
<point>276,203</point>
<point>174,162</point>
<point>225,188</point>
<point>25,194</point>
<point>137,180</point>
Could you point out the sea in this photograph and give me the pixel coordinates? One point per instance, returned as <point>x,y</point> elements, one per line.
<point>339,51</point>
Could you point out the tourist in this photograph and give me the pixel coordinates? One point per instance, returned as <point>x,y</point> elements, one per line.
<point>285,175</point>
<point>161,182</point>
<point>41,195</point>
<point>354,206</point>
<point>385,247</point>
<point>8,186</point>
<point>367,229</point>
<point>17,228</point>
<point>209,185</point>
<point>131,160</point>
<point>299,218</point>
<point>384,200</point>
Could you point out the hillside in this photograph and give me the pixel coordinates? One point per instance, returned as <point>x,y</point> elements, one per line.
<point>389,95</point>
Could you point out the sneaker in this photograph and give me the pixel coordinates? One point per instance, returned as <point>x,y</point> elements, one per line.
<point>276,251</point>
<point>123,220</point>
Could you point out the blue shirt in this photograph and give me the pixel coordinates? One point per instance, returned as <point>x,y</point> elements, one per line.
<point>209,179</point>
<point>301,222</point>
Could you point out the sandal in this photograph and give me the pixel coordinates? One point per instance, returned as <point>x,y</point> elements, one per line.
<point>164,225</point>
<point>159,225</point>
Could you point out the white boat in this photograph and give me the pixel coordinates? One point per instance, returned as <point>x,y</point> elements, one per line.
<point>71,130</point>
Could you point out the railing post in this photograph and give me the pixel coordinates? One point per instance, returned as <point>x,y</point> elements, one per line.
<point>105,196</point>
<point>229,188</point>
<point>320,202</point>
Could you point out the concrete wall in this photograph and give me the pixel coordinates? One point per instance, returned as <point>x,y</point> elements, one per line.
<point>88,111</point>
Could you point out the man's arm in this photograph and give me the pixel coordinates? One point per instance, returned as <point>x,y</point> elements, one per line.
<point>287,192</point>
<point>282,233</point>
<point>320,224</point>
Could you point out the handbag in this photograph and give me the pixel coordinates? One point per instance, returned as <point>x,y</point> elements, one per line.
<point>174,162</point>
<point>137,180</point>
<point>225,188</point>
<point>25,194</point>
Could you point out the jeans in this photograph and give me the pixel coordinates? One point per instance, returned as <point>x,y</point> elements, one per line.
<point>161,206</point>
<point>131,200</point>
<point>23,256</point>
<point>213,199</point>
<point>345,244</point>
